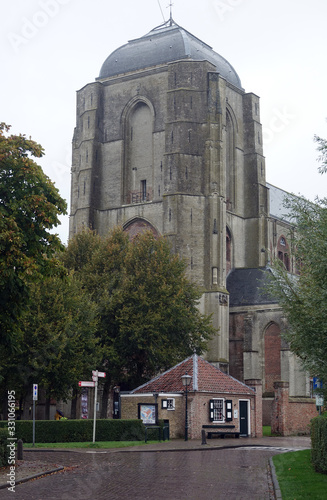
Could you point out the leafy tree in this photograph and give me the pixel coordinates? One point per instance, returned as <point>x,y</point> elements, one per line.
<point>58,346</point>
<point>148,315</point>
<point>304,297</point>
<point>322,148</point>
<point>159,322</point>
<point>29,207</point>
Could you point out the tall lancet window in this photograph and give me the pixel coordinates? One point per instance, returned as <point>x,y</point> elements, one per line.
<point>230,163</point>
<point>228,251</point>
<point>138,175</point>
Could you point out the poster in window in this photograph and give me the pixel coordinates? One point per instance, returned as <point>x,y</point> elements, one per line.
<point>84,403</point>
<point>148,413</point>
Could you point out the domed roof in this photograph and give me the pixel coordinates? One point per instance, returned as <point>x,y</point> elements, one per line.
<point>164,44</point>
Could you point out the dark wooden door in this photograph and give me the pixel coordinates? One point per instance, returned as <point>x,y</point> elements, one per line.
<point>244,424</point>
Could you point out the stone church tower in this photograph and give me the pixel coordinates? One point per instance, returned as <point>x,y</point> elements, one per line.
<point>167,139</point>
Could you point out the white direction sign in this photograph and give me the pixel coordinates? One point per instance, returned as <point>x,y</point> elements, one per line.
<point>95,373</point>
<point>319,400</point>
<point>86,384</point>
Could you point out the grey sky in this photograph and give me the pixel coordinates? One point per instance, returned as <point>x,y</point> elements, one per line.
<point>51,48</point>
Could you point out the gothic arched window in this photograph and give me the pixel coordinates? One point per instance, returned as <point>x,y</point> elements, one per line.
<point>228,251</point>
<point>138,174</point>
<point>283,252</point>
<point>230,162</point>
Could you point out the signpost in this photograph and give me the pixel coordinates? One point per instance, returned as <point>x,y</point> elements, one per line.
<point>86,384</point>
<point>35,394</point>
<point>95,376</point>
<point>318,384</point>
<point>319,400</point>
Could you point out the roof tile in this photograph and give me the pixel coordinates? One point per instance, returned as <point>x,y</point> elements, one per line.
<point>209,379</point>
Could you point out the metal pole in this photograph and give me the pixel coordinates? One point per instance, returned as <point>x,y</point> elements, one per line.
<point>186,419</point>
<point>33,422</point>
<point>95,404</point>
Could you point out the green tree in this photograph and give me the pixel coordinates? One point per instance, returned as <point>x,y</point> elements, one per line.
<point>303,297</point>
<point>58,346</point>
<point>29,207</point>
<point>322,148</point>
<point>148,315</point>
<point>156,310</point>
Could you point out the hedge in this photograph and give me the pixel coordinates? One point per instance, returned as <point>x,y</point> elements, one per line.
<point>319,443</point>
<point>65,431</point>
<point>4,451</point>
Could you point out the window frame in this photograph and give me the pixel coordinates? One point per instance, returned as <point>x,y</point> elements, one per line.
<point>211,410</point>
<point>166,402</point>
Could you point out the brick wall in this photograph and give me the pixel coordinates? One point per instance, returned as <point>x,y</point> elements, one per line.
<point>267,404</point>
<point>256,407</point>
<point>198,411</point>
<point>291,415</point>
<point>129,410</point>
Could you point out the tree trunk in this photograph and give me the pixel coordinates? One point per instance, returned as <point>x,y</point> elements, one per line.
<point>47,408</point>
<point>74,403</point>
<point>21,406</point>
<point>5,407</point>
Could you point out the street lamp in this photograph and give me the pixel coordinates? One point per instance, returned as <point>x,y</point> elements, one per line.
<point>186,379</point>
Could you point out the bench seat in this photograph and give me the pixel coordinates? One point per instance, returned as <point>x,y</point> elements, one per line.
<point>223,434</point>
<point>221,431</point>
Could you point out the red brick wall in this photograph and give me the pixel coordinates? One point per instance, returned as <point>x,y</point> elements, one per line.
<point>291,415</point>
<point>256,407</point>
<point>300,412</point>
<point>267,404</point>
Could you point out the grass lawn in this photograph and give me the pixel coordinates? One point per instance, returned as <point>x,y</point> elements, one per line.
<point>297,478</point>
<point>99,444</point>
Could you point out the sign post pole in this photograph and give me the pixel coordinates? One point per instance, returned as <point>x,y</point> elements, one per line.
<point>35,390</point>
<point>95,378</point>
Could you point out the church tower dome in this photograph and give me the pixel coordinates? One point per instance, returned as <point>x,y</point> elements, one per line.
<point>165,44</point>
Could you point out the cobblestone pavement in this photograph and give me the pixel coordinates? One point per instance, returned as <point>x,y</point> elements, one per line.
<point>235,473</point>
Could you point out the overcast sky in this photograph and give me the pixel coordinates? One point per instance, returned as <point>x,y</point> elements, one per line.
<point>52,48</point>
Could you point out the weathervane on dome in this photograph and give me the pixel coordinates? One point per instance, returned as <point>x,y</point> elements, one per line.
<point>171,12</point>
<point>170,21</point>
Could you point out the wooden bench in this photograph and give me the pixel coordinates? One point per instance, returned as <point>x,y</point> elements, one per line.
<point>218,430</point>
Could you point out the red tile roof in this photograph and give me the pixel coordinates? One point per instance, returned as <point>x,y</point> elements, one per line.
<point>205,378</point>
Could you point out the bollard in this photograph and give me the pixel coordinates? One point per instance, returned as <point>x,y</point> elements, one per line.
<point>19,449</point>
<point>204,440</point>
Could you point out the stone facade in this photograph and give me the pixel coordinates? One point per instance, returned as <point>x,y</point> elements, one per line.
<point>167,139</point>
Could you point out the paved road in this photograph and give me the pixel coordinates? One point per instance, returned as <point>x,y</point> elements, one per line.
<point>239,473</point>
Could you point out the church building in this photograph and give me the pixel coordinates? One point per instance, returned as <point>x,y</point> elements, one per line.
<point>168,140</point>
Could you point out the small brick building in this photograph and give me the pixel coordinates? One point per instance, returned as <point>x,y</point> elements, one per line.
<point>214,398</point>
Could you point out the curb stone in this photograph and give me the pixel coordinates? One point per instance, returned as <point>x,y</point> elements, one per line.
<point>25,479</point>
<point>278,493</point>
